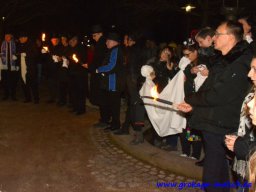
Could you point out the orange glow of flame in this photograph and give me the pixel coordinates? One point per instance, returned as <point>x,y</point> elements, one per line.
<point>43,37</point>
<point>46,49</point>
<point>154,92</point>
<point>75,58</point>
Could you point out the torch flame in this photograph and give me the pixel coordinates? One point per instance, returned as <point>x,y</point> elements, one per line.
<point>154,92</point>
<point>46,49</point>
<point>43,37</point>
<point>75,58</point>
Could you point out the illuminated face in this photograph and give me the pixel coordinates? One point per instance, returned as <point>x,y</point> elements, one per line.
<point>73,42</point>
<point>23,39</point>
<point>252,72</point>
<point>126,40</point>
<point>191,55</point>
<point>130,42</point>
<point>252,111</point>
<point>222,39</point>
<point>204,42</point>
<point>110,43</point>
<point>165,54</point>
<point>8,37</point>
<point>55,41</point>
<point>64,40</point>
<point>96,36</point>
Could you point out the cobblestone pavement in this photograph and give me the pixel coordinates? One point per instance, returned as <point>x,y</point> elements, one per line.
<point>119,171</point>
<point>45,148</point>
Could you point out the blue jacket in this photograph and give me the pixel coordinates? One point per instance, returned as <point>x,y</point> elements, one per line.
<point>112,72</point>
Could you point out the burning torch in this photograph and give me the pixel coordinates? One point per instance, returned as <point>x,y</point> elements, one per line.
<point>155,97</point>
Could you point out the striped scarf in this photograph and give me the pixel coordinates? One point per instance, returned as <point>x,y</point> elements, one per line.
<point>4,53</point>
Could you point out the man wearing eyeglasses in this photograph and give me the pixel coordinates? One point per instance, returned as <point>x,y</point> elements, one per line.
<point>220,98</point>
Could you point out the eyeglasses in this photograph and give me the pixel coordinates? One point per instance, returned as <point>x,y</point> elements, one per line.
<point>187,54</point>
<point>219,34</point>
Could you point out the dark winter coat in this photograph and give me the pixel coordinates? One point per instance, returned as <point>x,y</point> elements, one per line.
<point>63,71</point>
<point>207,56</point>
<point>244,145</point>
<point>189,87</point>
<point>31,56</point>
<point>163,75</point>
<point>217,104</point>
<point>77,68</point>
<point>133,61</point>
<point>99,55</point>
<point>52,67</point>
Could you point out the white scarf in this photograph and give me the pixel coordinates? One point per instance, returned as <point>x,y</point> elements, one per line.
<point>23,67</point>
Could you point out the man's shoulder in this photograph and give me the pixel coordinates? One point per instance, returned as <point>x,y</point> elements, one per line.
<point>241,53</point>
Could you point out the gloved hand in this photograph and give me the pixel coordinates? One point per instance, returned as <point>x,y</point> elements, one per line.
<point>44,50</point>
<point>14,57</point>
<point>23,54</point>
<point>248,38</point>
<point>65,62</point>
<point>55,58</point>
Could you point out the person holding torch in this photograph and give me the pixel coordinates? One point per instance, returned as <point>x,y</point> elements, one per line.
<point>220,99</point>
<point>78,75</point>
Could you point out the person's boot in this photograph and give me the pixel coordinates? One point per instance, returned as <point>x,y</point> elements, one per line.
<point>138,138</point>
<point>200,163</point>
<point>122,131</point>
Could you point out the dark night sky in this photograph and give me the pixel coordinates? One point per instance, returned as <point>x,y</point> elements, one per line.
<point>164,18</point>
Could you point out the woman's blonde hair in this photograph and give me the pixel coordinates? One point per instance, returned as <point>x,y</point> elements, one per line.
<point>252,171</point>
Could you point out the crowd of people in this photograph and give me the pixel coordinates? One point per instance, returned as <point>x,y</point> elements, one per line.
<point>215,85</point>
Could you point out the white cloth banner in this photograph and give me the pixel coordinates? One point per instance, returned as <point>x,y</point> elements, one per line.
<point>164,118</point>
<point>23,67</point>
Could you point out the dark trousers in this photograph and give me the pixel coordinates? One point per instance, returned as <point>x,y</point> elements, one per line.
<point>105,113</point>
<point>215,168</point>
<point>9,82</point>
<point>127,121</point>
<point>186,146</point>
<point>52,84</point>
<point>113,108</point>
<point>172,140</point>
<point>63,93</point>
<point>79,83</point>
<point>31,86</point>
<point>136,108</point>
<point>63,90</point>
